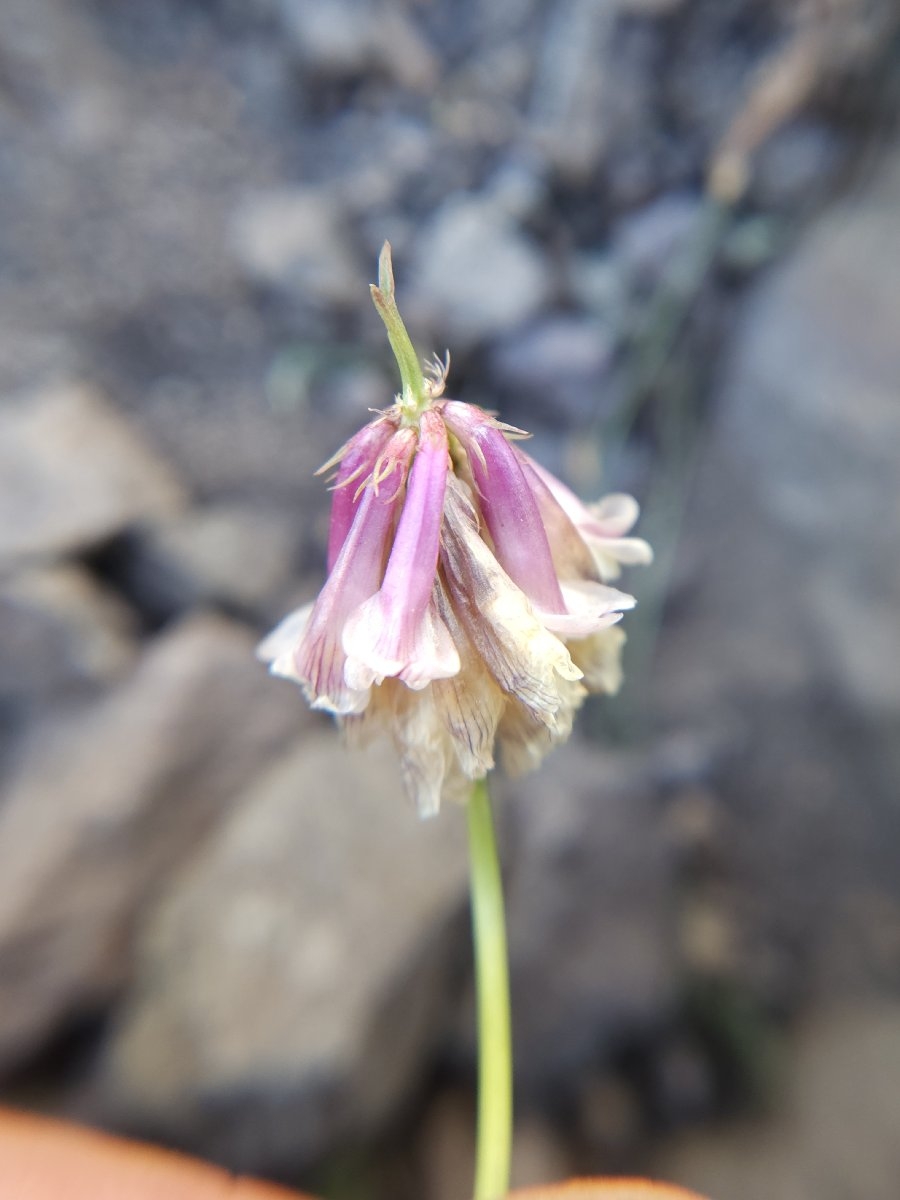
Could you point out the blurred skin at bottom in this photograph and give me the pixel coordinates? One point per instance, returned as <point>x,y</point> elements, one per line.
<point>43,1159</point>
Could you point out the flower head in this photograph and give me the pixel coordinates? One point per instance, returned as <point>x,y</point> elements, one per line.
<point>468,602</point>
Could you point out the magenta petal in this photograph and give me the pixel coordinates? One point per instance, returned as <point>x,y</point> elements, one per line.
<point>320,657</point>
<point>509,506</point>
<point>410,572</point>
<point>357,463</point>
<point>395,633</point>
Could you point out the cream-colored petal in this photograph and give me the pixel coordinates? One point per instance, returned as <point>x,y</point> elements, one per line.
<point>617,513</point>
<point>524,658</point>
<point>470,703</point>
<point>525,740</point>
<point>600,658</point>
<point>611,554</point>
<point>415,725</point>
<point>591,606</point>
<point>426,752</point>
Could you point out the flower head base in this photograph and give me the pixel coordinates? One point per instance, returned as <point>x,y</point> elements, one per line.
<point>468,602</point>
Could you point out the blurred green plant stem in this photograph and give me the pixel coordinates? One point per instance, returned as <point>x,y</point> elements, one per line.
<point>492,985</point>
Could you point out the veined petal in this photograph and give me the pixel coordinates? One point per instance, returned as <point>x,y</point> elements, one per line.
<point>471,703</point>
<point>414,724</point>
<point>398,631</point>
<point>525,739</point>
<point>508,505</point>
<point>357,462</point>
<point>524,658</point>
<point>319,658</point>
<point>378,647</point>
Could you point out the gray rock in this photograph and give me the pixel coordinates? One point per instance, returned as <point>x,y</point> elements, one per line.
<point>590,902</point>
<point>832,1131</point>
<point>475,273</point>
<point>348,37</point>
<point>107,802</point>
<point>646,240</point>
<point>598,285</point>
<point>557,365</point>
<point>649,8</point>
<point>73,472</point>
<point>798,165</point>
<point>785,635</point>
<point>296,975</point>
<point>335,38</point>
<point>292,239</point>
<point>571,94</point>
<point>222,553</point>
<point>812,418</point>
<point>60,633</point>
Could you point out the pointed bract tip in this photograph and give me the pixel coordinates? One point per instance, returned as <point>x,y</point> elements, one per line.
<point>386,270</point>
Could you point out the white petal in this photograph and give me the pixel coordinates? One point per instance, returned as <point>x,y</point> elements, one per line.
<point>434,654</point>
<point>591,606</point>
<point>376,650</point>
<point>617,513</point>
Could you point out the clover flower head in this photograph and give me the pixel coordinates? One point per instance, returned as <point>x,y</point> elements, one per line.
<point>468,602</point>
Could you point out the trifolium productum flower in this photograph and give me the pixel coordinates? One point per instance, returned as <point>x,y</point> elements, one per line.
<point>468,603</point>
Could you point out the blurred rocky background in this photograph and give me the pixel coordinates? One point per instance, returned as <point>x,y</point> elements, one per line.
<point>665,236</point>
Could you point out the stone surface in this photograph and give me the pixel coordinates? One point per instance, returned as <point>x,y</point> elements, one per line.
<point>646,240</point>
<point>223,553</point>
<point>293,980</point>
<point>73,472</point>
<point>475,273</point>
<point>292,239</point>
<point>802,467</point>
<point>60,632</point>
<point>831,1131</point>
<point>590,913</point>
<point>107,802</point>
<point>784,633</point>
<point>798,165</point>
<point>555,366</point>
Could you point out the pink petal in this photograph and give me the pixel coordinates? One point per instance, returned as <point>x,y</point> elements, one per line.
<point>357,461</point>
<point>572,557</point>
<point>508,505</point>
<point>601,525</point>
<point>319,659</point>
<point>398,632</point>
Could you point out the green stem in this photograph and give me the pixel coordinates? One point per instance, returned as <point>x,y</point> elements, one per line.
<point>492,984</point>
<point>413,397</point>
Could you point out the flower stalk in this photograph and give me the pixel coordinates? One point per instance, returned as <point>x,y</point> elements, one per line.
<point>492,987</point>
<point>414,395</point>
